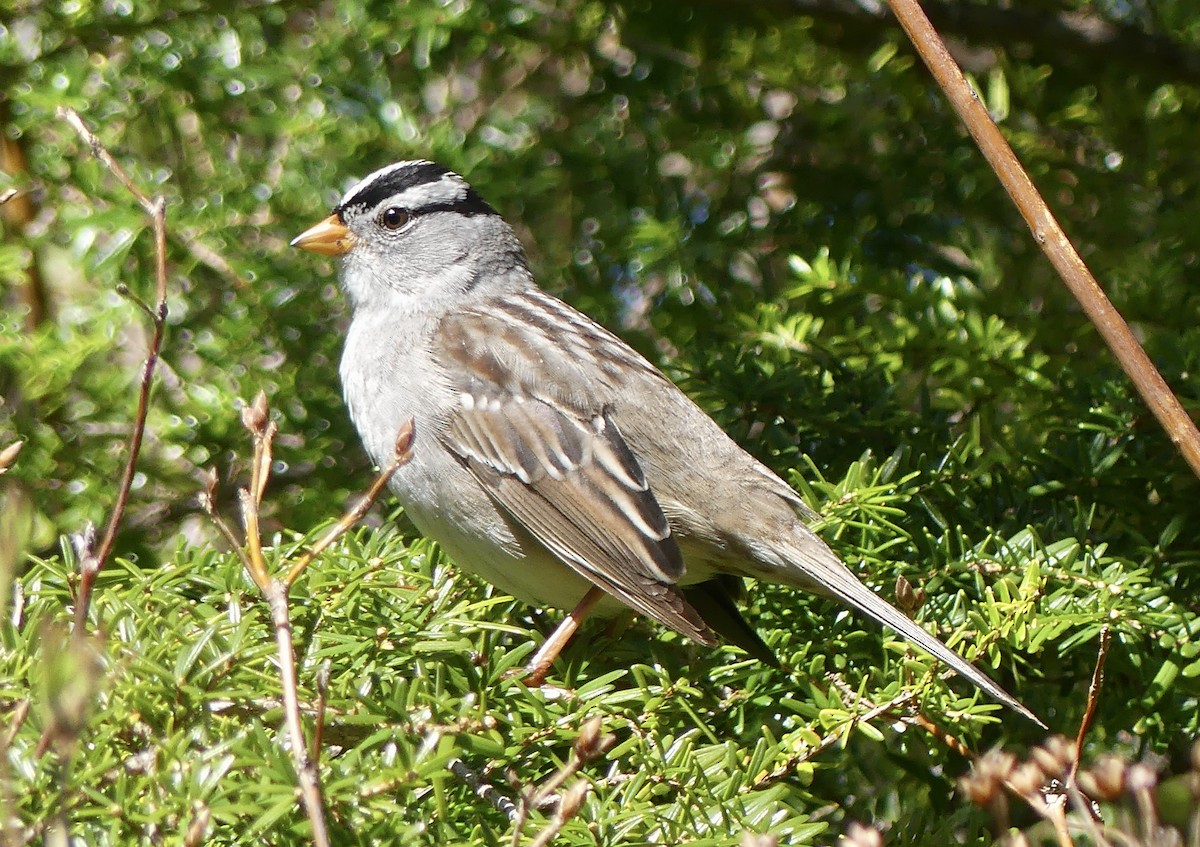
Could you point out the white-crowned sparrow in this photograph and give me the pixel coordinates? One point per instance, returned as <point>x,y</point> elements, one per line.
<point>550,457</point>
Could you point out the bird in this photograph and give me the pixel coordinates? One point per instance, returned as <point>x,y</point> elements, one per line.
<point>550,457</point>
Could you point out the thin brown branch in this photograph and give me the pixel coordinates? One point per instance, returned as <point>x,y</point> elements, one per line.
<point>259,572</point>
<point>125,292</point>
<point>156,210</point>
<point>402,456</point>
<point>256,419</point>
<point>208,503</point>
<point>1049,235</point>
<point>568,807</point>
<point>100,152</point>
<point>306,771</point>
<point>589,745</point>
<point>15,719</point>
<point>953,742</point>
<point>1071,41</point>
<point>319,719</point>
<point>1093,698</point>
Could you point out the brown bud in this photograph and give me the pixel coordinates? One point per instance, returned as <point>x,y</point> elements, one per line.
<point>1055,756</point>
<point>753,839</point>
<point>208,497</point>
<point>404,439</point>
<point>1027,779</point>
<point>1104,780</point>
<point>908,597</point>
<point>979,788</point>
<point>983,783</point>
<point>9,455</point>
<point>1140,777</point>
<point>860,835</point>
<point>255,415</point>
<point>997,764</point>
<point>573,799</point>
<point>589,738</point>
<point>198,828</point>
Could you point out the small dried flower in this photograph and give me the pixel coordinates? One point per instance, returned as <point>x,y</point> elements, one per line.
<point>1140,777</point>
<point>1055,756</point>
<point>1028,779</point>
<point>1104,780</point>
<point>753,839</point>
<point>984,782</point>
<point>860,835</point>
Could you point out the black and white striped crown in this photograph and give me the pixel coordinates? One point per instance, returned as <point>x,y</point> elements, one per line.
<point>419,187</point>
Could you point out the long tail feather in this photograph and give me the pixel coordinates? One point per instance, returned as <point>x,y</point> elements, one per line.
<point>822,568</point>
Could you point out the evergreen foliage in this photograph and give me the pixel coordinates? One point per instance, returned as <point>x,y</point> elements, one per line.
<point>781,211</point>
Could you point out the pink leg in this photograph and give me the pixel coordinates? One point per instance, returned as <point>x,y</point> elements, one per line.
<point>539,665</point>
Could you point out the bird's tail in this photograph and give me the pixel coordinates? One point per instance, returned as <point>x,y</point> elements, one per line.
<point>820,566</point>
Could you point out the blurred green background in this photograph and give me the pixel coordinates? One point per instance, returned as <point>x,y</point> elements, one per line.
<point>773,202</point>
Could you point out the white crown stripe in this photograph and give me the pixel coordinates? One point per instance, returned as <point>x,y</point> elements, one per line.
<point>379,174</point>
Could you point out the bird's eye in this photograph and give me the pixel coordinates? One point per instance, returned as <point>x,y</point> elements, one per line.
<point>393,217</point>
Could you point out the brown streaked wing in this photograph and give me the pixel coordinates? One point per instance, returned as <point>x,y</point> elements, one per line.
<point>572,482</point>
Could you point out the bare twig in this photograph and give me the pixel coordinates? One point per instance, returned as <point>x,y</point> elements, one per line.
<point>156,210</point>
<point>1049,235</point>
<point>256,418</point>
<point>588,746</point>
<point>208,502</point>
<point>150,207</point>
<point>568,807</point>
<point>306,771</point>
<point>954,743</point>
<point>1093,698</point>
<point>15,719</point>
<point>319,720</point>
<point>1071,40</point>
<point>402,456</point>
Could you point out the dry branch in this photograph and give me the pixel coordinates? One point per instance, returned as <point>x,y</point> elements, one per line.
<point>257,420</point>
<point>1049,234</point>
<point>92,559</point>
